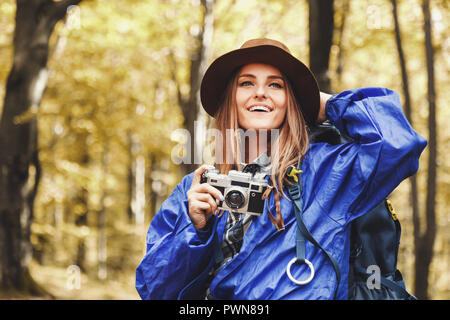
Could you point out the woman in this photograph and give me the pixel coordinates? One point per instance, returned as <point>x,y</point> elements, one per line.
<point>195,253</point>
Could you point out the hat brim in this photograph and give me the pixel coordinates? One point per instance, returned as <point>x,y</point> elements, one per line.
<point>302,80</point>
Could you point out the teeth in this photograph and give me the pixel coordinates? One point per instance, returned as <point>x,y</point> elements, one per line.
<point>259,108</point>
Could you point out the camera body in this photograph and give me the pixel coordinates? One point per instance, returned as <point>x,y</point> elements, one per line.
<point>242,190</point>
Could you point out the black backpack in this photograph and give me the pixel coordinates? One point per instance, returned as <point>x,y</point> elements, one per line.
<point>375,240</point>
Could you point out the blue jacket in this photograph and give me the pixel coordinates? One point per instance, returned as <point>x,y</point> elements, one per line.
<point>340,183</point>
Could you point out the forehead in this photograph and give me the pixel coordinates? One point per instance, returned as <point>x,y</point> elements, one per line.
<point>260,68</point>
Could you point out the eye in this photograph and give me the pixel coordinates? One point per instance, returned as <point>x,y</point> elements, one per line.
<point>276,85</point>
<point>245,83</point>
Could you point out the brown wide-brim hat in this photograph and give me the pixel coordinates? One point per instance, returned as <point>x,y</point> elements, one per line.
<point>266,51</point>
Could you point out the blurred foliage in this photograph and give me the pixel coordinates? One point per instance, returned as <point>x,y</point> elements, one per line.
<point>111,99</point>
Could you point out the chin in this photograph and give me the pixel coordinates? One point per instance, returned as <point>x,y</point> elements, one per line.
<point>259,126</point>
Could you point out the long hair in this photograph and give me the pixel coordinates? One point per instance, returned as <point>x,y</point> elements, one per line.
<point>288,149</point>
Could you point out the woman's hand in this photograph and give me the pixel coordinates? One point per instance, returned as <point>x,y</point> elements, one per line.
<point>202,199</point>
<point>323,101</point>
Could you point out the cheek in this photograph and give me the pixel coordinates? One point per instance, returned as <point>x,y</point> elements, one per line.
<point>281,103</point>
<point>280,100</point>
<point>241,98</point>
<point>279,117</point>
<point>242,118</point>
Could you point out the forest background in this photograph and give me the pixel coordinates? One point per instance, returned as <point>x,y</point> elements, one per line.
<point>94,94</point>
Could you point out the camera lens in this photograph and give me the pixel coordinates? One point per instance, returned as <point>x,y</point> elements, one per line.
<point>235,199</point>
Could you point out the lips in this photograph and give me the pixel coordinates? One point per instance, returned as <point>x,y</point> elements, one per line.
<point>259,108</point>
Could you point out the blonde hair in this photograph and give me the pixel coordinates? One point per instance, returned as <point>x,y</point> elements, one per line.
<point>290,146</point>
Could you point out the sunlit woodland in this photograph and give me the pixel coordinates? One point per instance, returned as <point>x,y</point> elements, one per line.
<point>94,93</point>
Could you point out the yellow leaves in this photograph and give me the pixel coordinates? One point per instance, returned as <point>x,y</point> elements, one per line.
<point>83,124</point>
<point>39,230</point>
<point>79,209</point>
<point>90,76</point>
<point>7,10</point>
<point>7,7</point>
<point>26,116</point>
<point>112,78</point>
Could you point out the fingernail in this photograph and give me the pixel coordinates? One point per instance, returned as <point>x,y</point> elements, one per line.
<point>222,197</point>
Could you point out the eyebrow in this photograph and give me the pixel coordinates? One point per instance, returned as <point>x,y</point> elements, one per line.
<point>253,76</point>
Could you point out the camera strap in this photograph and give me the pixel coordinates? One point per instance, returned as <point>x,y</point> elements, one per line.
<point>302,233</point>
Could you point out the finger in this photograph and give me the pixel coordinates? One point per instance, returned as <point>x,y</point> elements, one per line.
<point>206,197</point>
<point>203,205</point>
<point>198,173</point>
<point>203,208</point>
<point>204,187</point>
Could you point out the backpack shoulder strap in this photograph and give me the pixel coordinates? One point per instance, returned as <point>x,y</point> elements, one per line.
<point>295,191</point>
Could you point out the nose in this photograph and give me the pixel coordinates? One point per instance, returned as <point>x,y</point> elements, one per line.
<point>260,92</point>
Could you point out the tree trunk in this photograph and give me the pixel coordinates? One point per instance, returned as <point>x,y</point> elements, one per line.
<point>345,9</point>
<point>321,27</point>
<point>130,176</point>
<point>35,21</point>
<point>152,195</point>
<point>191,106</point>
<point>424,248</point>
<point>414,197</point>
<point>81,157</point>
<point>102,271</point>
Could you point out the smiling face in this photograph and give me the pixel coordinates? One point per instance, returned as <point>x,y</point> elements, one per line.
<point>261,97</point>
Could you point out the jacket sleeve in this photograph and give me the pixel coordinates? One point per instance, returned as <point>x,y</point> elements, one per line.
<point>176,252</point>
<point>350,179</point>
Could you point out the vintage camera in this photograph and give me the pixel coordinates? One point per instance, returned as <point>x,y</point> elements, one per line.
<point>242,190</point>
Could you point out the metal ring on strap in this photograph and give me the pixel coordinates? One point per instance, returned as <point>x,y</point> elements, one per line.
<point>288,271</point>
